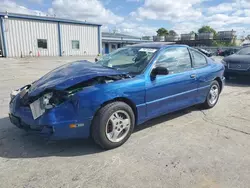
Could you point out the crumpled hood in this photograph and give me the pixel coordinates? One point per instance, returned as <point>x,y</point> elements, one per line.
<point>238,59</point>
<point>70,74</point>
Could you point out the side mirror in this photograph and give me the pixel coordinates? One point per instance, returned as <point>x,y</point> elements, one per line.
<point>159,71</point>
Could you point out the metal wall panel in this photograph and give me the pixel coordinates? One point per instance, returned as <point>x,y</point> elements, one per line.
<point>22,35</point>
<point>86,35</point>
<point>1,39</point>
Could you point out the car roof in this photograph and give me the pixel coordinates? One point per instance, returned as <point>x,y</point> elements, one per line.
<point>157,45</point>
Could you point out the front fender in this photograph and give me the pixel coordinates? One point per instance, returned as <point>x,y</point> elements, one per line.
<point>90,99</point>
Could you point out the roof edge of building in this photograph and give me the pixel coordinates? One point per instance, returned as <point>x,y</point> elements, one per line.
<point>45,18</point>
<point>118,35</point>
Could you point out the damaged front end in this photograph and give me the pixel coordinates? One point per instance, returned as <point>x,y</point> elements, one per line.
<point>95,81</point>
<point>45,101</point>
<point>61,103</point>
<point>52,97</point>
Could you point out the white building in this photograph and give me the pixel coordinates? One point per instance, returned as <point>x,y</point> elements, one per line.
<point>206,36</point>
<point>159,38</point>
<point>25,35</point>
<point>225,35</point>
<point>172,38</point>
<point>112,41</point>
<point>188,36</point>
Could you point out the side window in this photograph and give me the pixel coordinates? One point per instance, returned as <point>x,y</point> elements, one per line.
<point>176,60</point>
<point>75,45</point>
<point>42,43</point>
<point>198,59</point>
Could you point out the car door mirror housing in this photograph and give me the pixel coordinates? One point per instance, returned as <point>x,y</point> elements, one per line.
<point>159,71</point>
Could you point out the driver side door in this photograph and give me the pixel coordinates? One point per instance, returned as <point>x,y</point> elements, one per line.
<point>178,89</point>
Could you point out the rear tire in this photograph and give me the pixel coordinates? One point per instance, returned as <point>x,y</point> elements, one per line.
<point>113,124</point>
<point>212,96</point>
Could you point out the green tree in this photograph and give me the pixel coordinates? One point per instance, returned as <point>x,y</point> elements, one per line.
<point>192,32</point>
<point>207,29</point>
<point>162,32</point>
<point>172,33</point>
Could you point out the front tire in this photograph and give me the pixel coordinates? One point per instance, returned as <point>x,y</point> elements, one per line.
<point>113,124</point>
<point>213,95</point>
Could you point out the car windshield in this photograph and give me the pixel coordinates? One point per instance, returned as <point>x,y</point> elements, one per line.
<point>244,51</point>
<point>129,59</point>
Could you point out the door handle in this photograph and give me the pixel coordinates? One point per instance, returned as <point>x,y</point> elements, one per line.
<point>192,76</point>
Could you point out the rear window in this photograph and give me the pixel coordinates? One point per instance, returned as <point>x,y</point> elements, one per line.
<point>199,60</point>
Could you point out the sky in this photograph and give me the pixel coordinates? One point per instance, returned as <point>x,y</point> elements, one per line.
<point>143,17</point>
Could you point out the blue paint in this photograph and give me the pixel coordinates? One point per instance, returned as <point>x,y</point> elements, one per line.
<point>76,72</point>
<point>152,97</point>
<point>171,96</point>
<point>106,48</point>
<point>43,18</point>
<point>59,39</point>
<point>99,39</point>
<point>3,37</point>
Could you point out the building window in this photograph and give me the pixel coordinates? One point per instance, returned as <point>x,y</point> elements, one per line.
<point>75,45</point>
<point>42,43</point>
<point>113,46</point>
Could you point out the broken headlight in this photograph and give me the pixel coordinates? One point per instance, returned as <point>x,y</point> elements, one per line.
<point>49,100</point>
<point>45,101</point>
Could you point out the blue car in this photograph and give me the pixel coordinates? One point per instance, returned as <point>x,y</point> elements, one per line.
<point>107,99</point>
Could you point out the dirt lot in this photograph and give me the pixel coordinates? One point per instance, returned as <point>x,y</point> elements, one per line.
<point>190,148</point>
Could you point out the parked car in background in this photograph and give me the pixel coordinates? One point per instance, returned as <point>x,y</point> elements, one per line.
<point>228,52</point>
<point>107,99</point>
<point>237,64</point>
<point>207,53</point>
<point>245,45</point>
<point>219,51</point>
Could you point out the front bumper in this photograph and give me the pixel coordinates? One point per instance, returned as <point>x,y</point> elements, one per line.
<point>46,131</point>
<point>54,124</point>
<point>232,72</point>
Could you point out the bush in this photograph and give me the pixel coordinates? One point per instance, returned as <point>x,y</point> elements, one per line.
<point>223,43</point>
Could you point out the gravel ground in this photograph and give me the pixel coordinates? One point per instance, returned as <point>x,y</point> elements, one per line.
<point>190,148</point>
